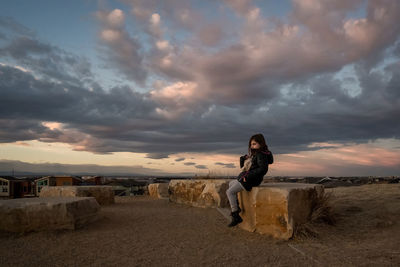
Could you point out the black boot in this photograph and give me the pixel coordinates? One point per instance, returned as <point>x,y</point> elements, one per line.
<point>236,219</point>
<point>239,210</point>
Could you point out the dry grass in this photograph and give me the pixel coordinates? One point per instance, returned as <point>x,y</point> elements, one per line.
<point>321,213</point>
<point>322,210</point>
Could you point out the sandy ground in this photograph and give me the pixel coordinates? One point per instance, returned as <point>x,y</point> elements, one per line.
<point>147,232</point>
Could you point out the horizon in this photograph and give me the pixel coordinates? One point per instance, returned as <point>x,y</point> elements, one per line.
<point>178,87</point>
<point>114,172</point>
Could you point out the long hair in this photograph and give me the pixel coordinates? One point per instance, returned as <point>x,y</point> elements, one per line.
<point>259,138</point>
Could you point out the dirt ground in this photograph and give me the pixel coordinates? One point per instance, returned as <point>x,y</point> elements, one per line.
<point>147,232</point>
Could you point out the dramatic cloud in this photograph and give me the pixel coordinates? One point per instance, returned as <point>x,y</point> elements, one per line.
<point>119,47</point>
<point>47,61</point>
<point>379,158</point>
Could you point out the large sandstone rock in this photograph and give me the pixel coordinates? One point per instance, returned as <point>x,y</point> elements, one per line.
<point>199,193</point>
<point>103,194</point>
<point>38,214</point>
<point>158,190</point>
<point>276,209</point>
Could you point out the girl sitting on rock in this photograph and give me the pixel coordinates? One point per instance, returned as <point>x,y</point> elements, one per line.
<point>253,166</point>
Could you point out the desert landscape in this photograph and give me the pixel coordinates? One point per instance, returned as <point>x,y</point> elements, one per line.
<point>139,230</point>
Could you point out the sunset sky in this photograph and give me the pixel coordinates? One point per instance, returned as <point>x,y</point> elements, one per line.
<point>177,87</point>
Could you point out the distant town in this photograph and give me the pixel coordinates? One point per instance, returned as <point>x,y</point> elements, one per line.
<point>30,186</point>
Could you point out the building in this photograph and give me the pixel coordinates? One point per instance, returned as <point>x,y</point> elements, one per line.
<point>12,187</point>
<point>6,186</point>
<point>25,187</point>
<point>93,180</point>
<point>56,181</point>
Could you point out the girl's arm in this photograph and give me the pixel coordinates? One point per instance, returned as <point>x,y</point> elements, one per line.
<point>242,159</point>
<point>262,165</point>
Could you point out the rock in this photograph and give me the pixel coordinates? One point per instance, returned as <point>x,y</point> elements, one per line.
<point>39,214</point>
<point>200,193</point>
<point>275,209</point>
<point>158,190</point>
<point>103,194</point>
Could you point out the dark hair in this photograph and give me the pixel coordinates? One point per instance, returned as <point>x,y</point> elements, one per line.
<point>259,138</point>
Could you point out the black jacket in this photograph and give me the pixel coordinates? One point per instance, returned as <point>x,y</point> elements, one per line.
<point>254,176</point>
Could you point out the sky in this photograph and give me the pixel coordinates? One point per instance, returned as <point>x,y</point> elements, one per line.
<point>178,87</point>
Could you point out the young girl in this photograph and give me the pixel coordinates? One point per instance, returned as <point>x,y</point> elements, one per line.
<point>254,166</point>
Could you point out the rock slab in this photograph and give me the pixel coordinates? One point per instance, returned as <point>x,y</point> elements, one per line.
<point>275,209</point>
<point>158,190</point>
<point>206,193</point>
<point>47,213</point>
<point>103,194</point>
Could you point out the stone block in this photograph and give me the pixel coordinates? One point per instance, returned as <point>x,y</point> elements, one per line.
<point>52,213</point>
<point>275,209</point>
<point>200,193</point>
<point>158,190</point>
<point>103,194</point>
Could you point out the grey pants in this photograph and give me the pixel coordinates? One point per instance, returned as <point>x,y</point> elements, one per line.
<point>234,187</point>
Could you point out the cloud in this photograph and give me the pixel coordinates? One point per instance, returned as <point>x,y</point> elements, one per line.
<point>200,167</point>
<point>157,155</point>
<point>211,35</point>
<point>45,60</point>
<point>240,6</point>
<point>14,26</point>
<point>226,165</point>
<point>354,38</point>
<point>119,48</point>
<point>180,12</point>
<point>15,130</point>
<point>180,159</point>
<point>374,158</point>
<point>189,163</point>
<point>176,99</point>
<point>108,122</point>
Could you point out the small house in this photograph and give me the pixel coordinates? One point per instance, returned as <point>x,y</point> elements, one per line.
<point>12,187</point>
<point>6,186</point>
<point>24,187</point>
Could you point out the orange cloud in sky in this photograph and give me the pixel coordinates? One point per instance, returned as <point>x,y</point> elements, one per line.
<point>19,143</point>
<point>331,159</point>
<point>364,154</point>
<point>52,125</point>
<point>338,156</point>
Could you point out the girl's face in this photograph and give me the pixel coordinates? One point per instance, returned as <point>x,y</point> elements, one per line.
<point>254,145</point>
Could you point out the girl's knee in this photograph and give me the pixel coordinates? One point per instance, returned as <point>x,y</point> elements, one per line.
<point>228,191</point>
